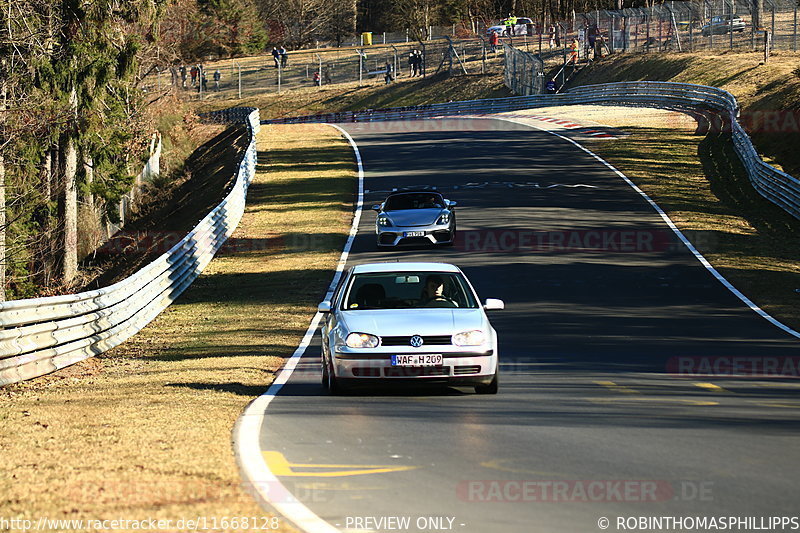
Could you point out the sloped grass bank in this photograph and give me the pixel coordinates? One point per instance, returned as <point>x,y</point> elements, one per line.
<point>769,94</point>
<point>144,431</point>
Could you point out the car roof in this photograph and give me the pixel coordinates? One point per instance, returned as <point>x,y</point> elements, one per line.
<point>407,266</point>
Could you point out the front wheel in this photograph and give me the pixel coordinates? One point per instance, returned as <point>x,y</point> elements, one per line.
<point>491,388</point>
<point>333,385</point>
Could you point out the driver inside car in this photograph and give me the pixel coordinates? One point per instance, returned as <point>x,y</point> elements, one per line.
<point>433,293</point>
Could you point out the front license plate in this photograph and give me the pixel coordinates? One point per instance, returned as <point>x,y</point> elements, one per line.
<point>413,234</point>
<point>422,359</point>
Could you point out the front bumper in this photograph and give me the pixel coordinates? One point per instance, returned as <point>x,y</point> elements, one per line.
<point>457,368</point>
<point>422,235</point>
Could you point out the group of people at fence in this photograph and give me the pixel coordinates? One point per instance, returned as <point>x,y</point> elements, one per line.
<point>196,75</point>
<point>280,56</point>
<point>414,63</point>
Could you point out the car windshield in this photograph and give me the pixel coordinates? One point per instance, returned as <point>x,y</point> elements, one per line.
<point>416,200</point>
<point>408,290</point>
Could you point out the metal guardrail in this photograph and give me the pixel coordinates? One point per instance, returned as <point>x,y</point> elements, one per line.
<point>41,335</point>
<point>774,185</point>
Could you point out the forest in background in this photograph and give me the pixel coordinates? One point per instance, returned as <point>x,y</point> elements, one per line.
<point>75,124</point>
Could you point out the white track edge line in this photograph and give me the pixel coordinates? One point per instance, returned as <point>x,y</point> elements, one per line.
<point>714,272</point>
<point>257,476</point>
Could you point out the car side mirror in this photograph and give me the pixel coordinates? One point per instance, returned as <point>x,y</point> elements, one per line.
<point>376,207</point>
<point>493,304</point>
<point>324,307</point>
<point>451,203</point>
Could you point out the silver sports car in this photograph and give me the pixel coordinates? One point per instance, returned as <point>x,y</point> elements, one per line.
<point>420,321</point>
<point>420,216</point>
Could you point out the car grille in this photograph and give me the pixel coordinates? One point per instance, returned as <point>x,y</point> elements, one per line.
<point>473,369</point>
<point>414,371</point>
<point>429,340</point>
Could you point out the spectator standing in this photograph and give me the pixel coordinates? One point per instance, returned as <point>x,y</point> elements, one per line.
<point>183,76</point>
<point>591,38</point>
<point>193,74</point>
<point>284,56</point>
<point>551,32</point>
<point>276,56</point>
<point>389,74</point>
<point>217,76</point>
<point>412,63</point>
<point>316,79</point>
<point>494,40</point>
<point>574,47</point>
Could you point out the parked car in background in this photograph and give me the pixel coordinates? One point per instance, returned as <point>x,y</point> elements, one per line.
<point>723,24</point>
<point>522,27</point>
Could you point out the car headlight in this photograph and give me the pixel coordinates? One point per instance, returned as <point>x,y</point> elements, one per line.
<point>444,218</point>
<point>384,221</point>
<point>474,337</point>
<point>361,340</point>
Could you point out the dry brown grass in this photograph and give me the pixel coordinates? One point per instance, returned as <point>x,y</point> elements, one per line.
<point>144,431</point>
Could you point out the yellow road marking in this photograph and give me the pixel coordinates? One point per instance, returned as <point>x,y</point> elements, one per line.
<point>499,464</point>
<point>665,400</point>
<point>616,388</point>
<point>711,387</point>
<point>779,404</point>
<point>279,466</point>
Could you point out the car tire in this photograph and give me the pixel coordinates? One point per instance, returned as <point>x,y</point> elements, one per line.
<point>324,367</point>
<point>491,388</point>
<point>333,385</point>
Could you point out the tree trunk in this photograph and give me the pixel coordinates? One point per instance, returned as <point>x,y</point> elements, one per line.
<point>70,201</point>
<point>3,104</point>
<point>70,197</point>
<point>758,14</point>
<point>88,169</point>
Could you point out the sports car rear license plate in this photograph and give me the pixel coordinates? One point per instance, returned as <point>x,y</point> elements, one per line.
<point>423,359</point>
<point>413,234</point>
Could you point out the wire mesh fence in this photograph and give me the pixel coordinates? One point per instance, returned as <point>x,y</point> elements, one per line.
<point>523,72</point>
<point>695,25</point>
<point>309,68</point>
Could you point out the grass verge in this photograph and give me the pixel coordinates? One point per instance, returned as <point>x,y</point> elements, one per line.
<point>144,430</point>
<point>768,94</point>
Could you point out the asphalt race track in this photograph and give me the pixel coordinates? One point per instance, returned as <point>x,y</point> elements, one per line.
<point>597,416</point>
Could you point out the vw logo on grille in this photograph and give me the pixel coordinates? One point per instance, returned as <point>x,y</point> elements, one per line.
<point>416,341</point>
